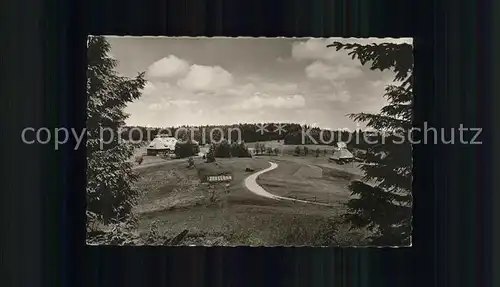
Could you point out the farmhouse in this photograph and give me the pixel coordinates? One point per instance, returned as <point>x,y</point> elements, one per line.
<point>163,143</point>
<point>342,154</point>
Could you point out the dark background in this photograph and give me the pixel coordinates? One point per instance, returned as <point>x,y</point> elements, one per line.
<point>43,192</point>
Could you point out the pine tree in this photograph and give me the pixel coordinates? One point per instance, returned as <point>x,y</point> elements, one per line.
<point>110,197</point>
<point>386,205</point>
<point>211,153</point>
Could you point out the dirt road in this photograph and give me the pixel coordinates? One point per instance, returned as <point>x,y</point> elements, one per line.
<point>252,185</point>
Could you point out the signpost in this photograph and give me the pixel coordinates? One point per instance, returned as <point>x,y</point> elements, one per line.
<point>219,178</point>
<point>214,180</point>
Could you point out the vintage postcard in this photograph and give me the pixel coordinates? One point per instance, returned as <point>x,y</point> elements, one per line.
<point>249,141</point>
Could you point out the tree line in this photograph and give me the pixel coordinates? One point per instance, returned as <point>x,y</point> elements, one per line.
<point>295,134</point>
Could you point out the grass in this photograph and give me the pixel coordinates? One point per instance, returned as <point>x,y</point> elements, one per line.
<point>290,149</point>
<point>286,181</point>
<point>174,197</point>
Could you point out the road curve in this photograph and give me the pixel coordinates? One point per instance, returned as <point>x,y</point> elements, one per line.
<point>252,185</point>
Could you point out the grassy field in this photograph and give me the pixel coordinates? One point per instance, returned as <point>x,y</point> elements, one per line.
<point>290,149</point>
<point>174,198</point>
<point>298,178</point>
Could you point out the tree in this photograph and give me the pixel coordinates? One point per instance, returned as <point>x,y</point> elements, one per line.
<point>297,151</point>
<point>110,197</point>
<point>186,148</point>
<point>269,151</point>
<point>210,157</point>
<point>386,205</point>
<point>257,148</point>
<point>240,150</point>
<point>262,148</point>
<point>222,149</point>
<point>190,162</point>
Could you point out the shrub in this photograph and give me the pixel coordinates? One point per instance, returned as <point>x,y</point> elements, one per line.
<point>185,149</point>
<point>257,148</point>
<point>222,149</point>
<point>124,233</point>
<point>300,231</point>
<point>139,159</point>
<point>269,151</point>
<point>210,156</point>
<point>297,151</point>
<point>240,150</point>
<point>262,148</point>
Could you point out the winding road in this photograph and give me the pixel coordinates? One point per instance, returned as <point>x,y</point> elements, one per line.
<point>252,185</point>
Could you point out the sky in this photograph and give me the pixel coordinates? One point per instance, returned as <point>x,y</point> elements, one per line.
<point>204,81</point>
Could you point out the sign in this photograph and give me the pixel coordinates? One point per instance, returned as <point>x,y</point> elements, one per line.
<point>219,178</point>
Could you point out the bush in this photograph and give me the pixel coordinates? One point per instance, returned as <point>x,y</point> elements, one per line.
<point>269,151</point>
<point>222,149</point>
<point>115,234</point>
<point>186,149</point>
<point>299,230</point>
<point>240,150</point>
<point>262,148</point>
<point>297,151</point>
<point>125,233</point>
<point>225,150</point>
<point>323,232</point>
<point>210,156</point>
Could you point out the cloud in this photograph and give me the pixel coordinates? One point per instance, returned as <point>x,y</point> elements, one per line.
<point>340,96</point>
<point>260,101</point>
<point>193,86</point>
<point>155,107</point>
<point>372,40</point>
<point>205,78</point>
<point>165,104</point>
<point>167,67</point>
<point>183,103</point>
<point>320,70</point>
<point>316,48</point>
<point>324,94</point>
<point>254,84</point>
<point>278,87</point>
<point>151,88</point>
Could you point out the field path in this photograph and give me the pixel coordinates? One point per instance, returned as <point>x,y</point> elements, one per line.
<point>252,185</point>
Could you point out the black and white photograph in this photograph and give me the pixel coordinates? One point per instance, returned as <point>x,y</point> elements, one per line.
<point>196,141</point>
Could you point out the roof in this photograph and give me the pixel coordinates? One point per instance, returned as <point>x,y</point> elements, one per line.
<point>164,136</point>
<point>342,154</point>
<point>341,145</point>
